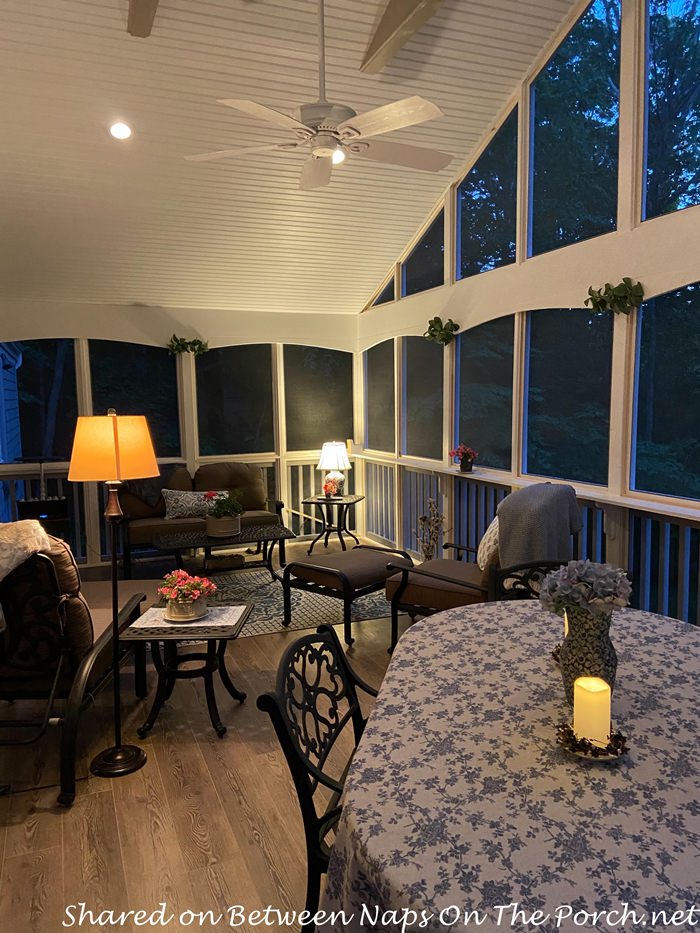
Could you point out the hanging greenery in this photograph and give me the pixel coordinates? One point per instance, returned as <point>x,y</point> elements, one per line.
<point>441,333</point>
<point>622,298</point>
<point>183,345</point>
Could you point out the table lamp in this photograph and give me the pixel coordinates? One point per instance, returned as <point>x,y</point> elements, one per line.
<point>334,459</point>
<point>112,448</point>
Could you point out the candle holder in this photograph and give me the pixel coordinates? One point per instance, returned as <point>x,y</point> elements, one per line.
<point>584,748</point>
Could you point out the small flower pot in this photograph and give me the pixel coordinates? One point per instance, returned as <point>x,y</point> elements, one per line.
<point>465,465</point>
<point>187,610</point>
<point>223,527</point>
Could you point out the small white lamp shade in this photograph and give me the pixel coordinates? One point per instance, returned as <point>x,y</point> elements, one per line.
<point>112,448</point>
<point>334,456</point>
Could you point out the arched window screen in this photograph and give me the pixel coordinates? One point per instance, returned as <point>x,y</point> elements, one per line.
<point>138,380</point>
<point>38,400</point>
<point>424,267</point>
<point>566,423</point>
<point>421,422</point>
<point>487,205</point>
<point>666,438</point>
<point>379,397</point>
<point>574,147</point>
<point>234,400</point>
<point>673,106</point>
<point>484,391</point>
<point>318,396</point>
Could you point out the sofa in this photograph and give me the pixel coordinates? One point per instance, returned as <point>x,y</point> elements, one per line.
<point>144,509</point>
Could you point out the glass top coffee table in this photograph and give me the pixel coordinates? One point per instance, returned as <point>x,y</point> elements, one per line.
<point>268,535</point>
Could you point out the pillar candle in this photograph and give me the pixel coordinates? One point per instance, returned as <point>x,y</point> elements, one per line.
<point>566,624</point>
<point>592,710</point>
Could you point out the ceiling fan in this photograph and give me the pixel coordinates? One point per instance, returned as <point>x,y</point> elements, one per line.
<point>329,132</point>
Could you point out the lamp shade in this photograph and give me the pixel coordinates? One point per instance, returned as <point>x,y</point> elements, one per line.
<point>334,456</point>
<point>111,448</point>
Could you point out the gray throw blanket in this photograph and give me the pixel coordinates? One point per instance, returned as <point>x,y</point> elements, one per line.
<point>536,523</point>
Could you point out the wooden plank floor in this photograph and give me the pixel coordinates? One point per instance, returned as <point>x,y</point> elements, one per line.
<point>206,824</point>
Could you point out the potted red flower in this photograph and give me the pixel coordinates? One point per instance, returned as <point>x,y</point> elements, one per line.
<point>186,596</point>
<point>224,515</point>
<point>466,456</point>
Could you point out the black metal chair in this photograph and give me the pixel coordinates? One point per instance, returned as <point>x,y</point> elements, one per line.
<point>315,698</point>
<point>448,584</point>
<point>50,652</point>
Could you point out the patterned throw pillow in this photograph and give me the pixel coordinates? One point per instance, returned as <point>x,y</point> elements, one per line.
<point>488,546</point>
<point>179,504</point>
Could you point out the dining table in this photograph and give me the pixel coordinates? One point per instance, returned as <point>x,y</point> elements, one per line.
<point>461,811</point>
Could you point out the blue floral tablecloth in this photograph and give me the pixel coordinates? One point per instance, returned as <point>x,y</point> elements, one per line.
<point>459,798</point>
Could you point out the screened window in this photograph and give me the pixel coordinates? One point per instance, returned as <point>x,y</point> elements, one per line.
<point>574,113</point>
<point>386,294</point>
<point>318,396</point>
<point>424,267</point>
<point>666,448</point>
<point>673,106</point>
<point>234,400</point>
<point>138,380</point>
<point>379,396</point>
<point>422,414</point>
<point>484,377</point>
<point>567,417</point>
<point>486,205</point>
<point>38,400</point>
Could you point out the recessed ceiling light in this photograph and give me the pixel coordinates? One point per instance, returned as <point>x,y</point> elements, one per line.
<point>120,130</point>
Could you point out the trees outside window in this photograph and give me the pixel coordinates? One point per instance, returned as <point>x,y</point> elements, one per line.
<point>574,148</point>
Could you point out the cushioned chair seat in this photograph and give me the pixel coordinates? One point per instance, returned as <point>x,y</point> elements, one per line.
<point>436,594</point>
<point>259,517</point>
<point>361,568</point>
<point>144,530</point>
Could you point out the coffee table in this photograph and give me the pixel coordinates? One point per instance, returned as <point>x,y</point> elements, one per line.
<point>221,625</point>
<point>272,534</point>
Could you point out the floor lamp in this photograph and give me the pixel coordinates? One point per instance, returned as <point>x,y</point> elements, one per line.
<point>112,448</point>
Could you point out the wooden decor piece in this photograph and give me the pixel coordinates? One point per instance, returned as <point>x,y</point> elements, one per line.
<point>401,19</point>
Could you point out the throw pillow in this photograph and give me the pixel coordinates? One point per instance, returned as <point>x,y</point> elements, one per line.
<point>488,546</point>
<point>180,504</point>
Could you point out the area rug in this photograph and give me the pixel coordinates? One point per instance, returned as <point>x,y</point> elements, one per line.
<point>308,609</point>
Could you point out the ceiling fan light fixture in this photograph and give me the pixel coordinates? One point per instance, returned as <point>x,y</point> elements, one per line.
<point>338,156</point>
<point>120,130</point>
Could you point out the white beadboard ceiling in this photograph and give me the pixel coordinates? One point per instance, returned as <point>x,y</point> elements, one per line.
<point>86,219</point>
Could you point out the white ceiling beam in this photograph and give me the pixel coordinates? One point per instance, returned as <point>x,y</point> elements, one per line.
<point>401,19</point>
<point>141,16</point>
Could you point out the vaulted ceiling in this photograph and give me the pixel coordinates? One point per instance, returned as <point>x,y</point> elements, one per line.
<point>84,218</point>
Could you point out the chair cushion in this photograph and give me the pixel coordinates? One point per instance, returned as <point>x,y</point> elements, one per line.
<point>259,517</point>
<point>362,568</point>
<point>143,530</point>
<point>188,504</point>
<point>77,618</point>
<point>437,594</point>
<point>487,553</point>
<point>135,507</point>
<point>246,478</point>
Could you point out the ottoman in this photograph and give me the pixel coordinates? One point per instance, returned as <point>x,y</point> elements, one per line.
<point>346,575</point>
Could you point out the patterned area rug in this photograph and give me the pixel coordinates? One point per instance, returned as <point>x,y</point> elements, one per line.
<point>308,609</point>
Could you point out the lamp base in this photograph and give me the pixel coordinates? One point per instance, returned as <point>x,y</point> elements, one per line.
<point>338,478</point>
<point>118,761</point>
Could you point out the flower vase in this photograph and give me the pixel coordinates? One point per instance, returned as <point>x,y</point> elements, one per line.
<point>587,650</point>
<point>466,464</point>
<point>186,610</point>
<point>223,527</point>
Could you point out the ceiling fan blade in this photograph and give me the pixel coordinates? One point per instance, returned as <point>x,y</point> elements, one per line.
<point>316,173</point>
<point>266,113</point>
<point>427,160</point>
<point>232,153</point>
<point>406,112</point>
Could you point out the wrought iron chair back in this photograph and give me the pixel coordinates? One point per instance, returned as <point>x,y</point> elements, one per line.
<point>520,582</point>
<point>315,699</point>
